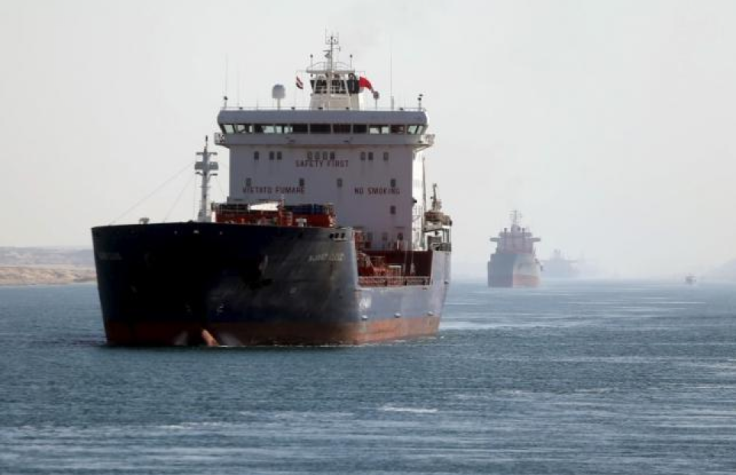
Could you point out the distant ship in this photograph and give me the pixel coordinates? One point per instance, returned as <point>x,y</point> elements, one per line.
<point>514,264</point>
<point>690,279</point>
<point>559,267</point>
<point>327,235</point>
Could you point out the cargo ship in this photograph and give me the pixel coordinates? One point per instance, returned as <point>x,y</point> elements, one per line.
<point>560,267</point>
<point>514,263</point>
<point>328,234</point>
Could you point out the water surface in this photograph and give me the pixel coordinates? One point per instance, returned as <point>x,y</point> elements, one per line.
<point>577,377</point>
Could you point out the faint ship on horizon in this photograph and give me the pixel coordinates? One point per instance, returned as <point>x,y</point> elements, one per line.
<point>514,263</point>
<point>560,267</point>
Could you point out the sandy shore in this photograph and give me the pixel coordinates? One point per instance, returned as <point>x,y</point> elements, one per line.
<point>31,275</point>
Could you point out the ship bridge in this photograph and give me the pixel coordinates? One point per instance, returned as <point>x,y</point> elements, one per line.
<point>517,239</point>
<point>336,113</point>
<point>316,127</point>
<point>365,161</point>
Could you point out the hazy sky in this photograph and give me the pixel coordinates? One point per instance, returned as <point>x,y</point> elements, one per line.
<point>610,125</point>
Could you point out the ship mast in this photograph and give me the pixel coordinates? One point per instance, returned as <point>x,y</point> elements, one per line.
<point>515,218</point>
<point>206,168</point>
<point>333,43</point>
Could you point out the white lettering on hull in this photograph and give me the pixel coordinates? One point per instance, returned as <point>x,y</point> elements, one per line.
<point>312,163</point>
<point>377,190</point>
<point>327,257</point>
<point>269,190</point>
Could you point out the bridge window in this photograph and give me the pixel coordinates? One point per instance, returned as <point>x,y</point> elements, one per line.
<point>256,155</point>
<point>332,155</point>
<point>271,155</point>
<point>248,182</point>
<point>362,156</point>
<point>370,156</point>
<point>385,156</point>
<point>319,86</point>
<point>378,129</point>
<point>393,182</point>
<point>338,86</point>
<point>278,155</point>
<point>392,209</point>
<point>320,128</point>
<point>309,155</point>
<point>339,182</point>
<point>324,155</point>
<point>301,182</point>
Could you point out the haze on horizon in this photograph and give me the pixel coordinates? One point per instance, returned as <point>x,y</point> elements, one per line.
<point>610,125</point>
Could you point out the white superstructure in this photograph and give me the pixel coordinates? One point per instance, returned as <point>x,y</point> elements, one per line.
<point>368,163</point>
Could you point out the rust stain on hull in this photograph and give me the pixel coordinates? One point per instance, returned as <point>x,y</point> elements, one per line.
<point>252,334</point>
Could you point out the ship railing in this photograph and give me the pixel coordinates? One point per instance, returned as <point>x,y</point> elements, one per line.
<point>308,108</point>
<point>392,281</point>
<point>443,246</point>
<point>220,138</point>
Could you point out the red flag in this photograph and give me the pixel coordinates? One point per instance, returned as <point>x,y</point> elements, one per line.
<point>299,83</point>
<point>364,83</point>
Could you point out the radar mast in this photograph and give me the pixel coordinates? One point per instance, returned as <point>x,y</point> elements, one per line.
<point>206,168</point>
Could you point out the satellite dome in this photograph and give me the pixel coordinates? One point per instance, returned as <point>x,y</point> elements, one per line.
<point>278,91</point>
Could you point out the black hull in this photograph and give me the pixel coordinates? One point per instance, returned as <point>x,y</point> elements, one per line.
<point>193,283</point>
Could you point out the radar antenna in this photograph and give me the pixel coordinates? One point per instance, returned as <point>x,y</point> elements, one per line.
<point>206,168</point>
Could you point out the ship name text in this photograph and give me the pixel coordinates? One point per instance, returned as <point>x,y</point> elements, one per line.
<point>327,257</point>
